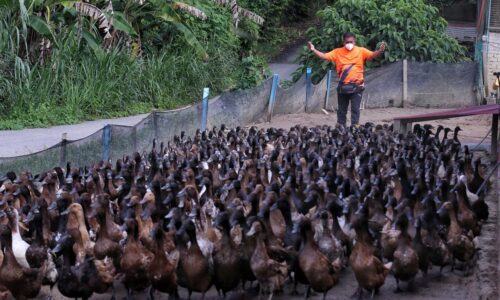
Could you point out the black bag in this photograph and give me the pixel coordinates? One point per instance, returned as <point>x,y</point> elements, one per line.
<point>346,88</point>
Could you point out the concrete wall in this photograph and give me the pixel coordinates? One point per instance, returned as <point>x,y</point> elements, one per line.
<point>428,85</point>
<point>493,57</point>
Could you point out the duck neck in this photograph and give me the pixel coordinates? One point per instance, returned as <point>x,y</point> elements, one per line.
<point>335,223</point>
<point>260,245</point>
<point>103,232</point>
<point>362,234</point>
<point>325,225</point>
<point>404,238</point>
<point>69,258</point>
<point>226,236</point>
<point>38,232</point>
<point>418,234</point>
<point>309,239</point>
<point>192,238</point>
<point>453,218</point>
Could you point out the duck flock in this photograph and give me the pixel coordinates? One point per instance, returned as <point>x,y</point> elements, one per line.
<point>241,208</point>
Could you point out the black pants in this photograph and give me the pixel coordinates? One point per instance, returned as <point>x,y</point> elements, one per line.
<point>355,100</point>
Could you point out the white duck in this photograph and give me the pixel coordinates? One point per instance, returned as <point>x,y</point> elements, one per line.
<point>19,246</point>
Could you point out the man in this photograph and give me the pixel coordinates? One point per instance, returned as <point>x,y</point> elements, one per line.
<point>349,61</point>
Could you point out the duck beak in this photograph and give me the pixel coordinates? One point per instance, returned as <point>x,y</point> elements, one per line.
<point>145,214</point>
<point>29,218</point>
<point>23,226</point>
<point>440,211</point>
<point>181,204</point>
<point>345,210</point>
<point>181,193</point>
<point>170,214</point>
<point>57,249</point>
<point>52,206</point>
<point>192,215</point>
<point>251,232</point>
<point>203,190</point>
<point>17,192</point>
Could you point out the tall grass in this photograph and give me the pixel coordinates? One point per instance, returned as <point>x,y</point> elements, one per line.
<point>77,88</point>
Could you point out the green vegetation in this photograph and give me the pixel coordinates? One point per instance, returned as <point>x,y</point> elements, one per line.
<point>84,75</point>
<point>411,29</point>
<point>68,61</point>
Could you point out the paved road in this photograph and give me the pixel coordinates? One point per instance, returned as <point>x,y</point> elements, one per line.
<point>286,63</point>
<point>26,141</point>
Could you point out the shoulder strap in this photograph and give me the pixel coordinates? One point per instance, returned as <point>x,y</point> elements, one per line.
<point>344,74</point>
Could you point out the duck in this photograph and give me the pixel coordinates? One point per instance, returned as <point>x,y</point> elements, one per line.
<point>270,273</point>
<point>422,250</point>
<point>322,275</point>
<point>77,228</point>
<point>405,265</point>
<point>104,246</point>
<point>226,258</point>
<point>38,252</point>
<point>368,268</point>
<point>22,282</point>
<point>38,223</point>
<point>19,246</point>
<point>136,260</point>
<point>335,207</point>
<point>328,244</point>
<point>475,181</point>
<point>163,268</point>
<point>194,268</point>
<point>461,245</point>
<point>76,280</point>
<point>465,215</point>
<point>144,221</point>
<point>440,254</point>
<point>247,246</point>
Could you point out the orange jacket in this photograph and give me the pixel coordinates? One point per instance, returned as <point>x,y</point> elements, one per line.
<point>356,57</point>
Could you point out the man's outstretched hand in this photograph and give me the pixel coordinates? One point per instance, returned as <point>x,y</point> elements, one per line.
<point>310,46</point>
<point>381,48</point>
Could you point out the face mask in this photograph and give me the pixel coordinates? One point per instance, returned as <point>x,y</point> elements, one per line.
<point>349,46</point>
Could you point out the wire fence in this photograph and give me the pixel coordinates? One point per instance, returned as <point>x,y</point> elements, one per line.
<point>399,84</point>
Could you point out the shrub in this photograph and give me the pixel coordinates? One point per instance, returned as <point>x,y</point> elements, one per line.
<point>411,29</point>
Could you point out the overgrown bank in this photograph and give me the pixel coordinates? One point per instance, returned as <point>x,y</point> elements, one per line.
<point>67,61</point>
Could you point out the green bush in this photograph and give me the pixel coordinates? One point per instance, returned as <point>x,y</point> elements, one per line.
<point>411,29</point>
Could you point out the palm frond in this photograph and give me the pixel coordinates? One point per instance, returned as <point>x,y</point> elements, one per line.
<point>96,14</point>
<point>238,11</point>
<point>195,12</point>
<point>252,16</point>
